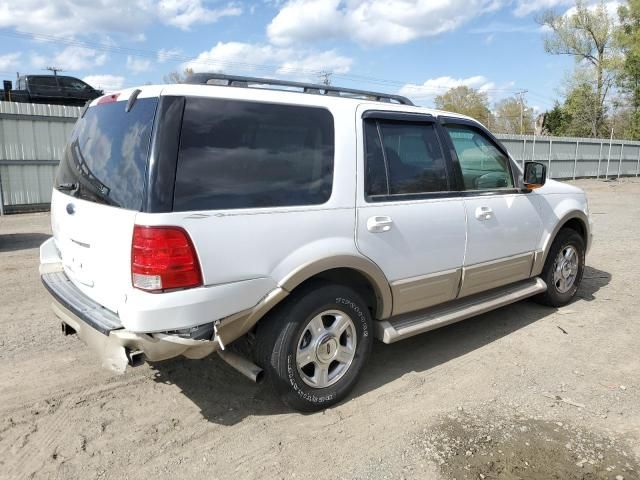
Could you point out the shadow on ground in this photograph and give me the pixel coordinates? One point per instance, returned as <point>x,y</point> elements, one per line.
<point>21,241</point>
<point>225,397</point>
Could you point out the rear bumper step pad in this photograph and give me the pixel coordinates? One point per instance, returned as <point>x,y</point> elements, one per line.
<point>70,297</point>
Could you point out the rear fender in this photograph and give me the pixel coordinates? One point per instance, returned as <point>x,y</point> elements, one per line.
<point>306,263</point>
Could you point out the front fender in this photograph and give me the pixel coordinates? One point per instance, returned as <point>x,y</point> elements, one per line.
<point>556,210</point>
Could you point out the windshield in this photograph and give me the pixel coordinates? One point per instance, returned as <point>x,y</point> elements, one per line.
<point>106,158</point>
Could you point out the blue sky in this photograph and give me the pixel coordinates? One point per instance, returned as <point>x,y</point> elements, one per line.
<point>419,48</point>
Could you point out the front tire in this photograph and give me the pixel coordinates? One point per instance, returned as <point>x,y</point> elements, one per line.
<point>314,346</point>
<point>563,269</point>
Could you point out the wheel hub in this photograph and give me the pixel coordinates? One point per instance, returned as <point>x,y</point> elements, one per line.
<point>326,348</point>
<point>566,269</point>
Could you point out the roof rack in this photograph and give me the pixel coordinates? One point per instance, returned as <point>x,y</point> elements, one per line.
<point>317,89</point>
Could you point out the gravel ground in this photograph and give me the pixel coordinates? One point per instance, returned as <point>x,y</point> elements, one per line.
<point>522,392</point>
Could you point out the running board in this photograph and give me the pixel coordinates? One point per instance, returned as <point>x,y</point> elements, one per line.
<point>408,325</point>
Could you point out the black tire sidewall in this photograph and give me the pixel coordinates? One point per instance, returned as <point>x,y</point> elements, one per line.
<point>564,239</point>
<point>283,370</point>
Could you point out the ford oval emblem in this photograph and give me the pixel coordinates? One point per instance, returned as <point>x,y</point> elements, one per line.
<point>71,208</point>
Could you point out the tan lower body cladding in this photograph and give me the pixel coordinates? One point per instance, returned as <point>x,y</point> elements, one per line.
<point>425,291</point>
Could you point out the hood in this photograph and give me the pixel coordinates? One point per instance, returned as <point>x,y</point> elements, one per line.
<point>556,187</point>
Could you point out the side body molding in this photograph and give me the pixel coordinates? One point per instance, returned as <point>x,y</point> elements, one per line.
<point>366,267</point>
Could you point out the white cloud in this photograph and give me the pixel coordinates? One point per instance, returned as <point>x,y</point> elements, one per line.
<point>427,91</point>
<point>78,58</point>
<point>9,61</point>
<point>38,61</point>
<point>328,61</point>
<point>373,21</point>
<point>139,38</point>
<point>259,57</point>
<point>527,7</point>
<point>70,17</point>
<point>185,13</point>
<point>611,8</point>
<point>108,83</point>
<point>138,65</point>
<point>167,54</point>
<point>506,27</point>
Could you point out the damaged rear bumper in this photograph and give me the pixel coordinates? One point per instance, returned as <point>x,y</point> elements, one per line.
<point>102,331</point>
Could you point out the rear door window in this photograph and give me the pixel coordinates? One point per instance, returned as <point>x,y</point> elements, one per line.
<point>108,153</point>
<point>44,85</point>
<point>240,154</point>
<point>403,158</point>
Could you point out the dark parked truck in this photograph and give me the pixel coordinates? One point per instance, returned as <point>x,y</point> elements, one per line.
<point>51,89</point>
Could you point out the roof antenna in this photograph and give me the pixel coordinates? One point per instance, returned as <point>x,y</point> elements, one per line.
<point>55,70</point>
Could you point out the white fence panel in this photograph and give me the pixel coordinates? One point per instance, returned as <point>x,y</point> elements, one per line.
<point>32,140</point>
<point>33,137</point>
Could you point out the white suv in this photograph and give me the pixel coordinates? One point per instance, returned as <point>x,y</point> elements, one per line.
<point>306,219</point>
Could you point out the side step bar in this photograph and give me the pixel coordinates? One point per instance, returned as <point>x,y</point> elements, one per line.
<point>405,326</point>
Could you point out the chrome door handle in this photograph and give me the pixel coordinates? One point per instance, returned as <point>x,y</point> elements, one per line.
<point>379,224</point>
<point>484,213</point>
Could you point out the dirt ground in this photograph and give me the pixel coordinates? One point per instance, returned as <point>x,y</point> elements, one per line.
<point>522,392</point>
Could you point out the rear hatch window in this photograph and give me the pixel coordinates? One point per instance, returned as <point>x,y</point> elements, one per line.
<point>106,158</point>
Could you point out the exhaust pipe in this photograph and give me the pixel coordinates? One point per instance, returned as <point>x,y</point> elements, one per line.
<point>67,329</point>
<point>243,365</point>
<point>135,357</point>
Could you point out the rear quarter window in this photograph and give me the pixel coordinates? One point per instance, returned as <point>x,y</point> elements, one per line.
<point>240,154</point>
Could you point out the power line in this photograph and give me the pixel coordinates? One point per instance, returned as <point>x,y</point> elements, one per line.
<point>178,58</point>
<point>229,64</point>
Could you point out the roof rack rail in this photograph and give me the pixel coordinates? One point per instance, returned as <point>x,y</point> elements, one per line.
<point>317,89</point>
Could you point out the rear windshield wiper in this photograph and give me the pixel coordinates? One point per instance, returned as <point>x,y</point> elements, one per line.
<point>68,187</point>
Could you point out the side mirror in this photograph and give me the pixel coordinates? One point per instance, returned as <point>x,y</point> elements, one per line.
<point>535,175</point>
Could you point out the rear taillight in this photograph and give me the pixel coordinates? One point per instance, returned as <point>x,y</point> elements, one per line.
<point>163,258</point>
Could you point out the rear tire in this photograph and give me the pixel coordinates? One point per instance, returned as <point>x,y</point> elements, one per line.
<point>314,346</point>
<point>563,269</point>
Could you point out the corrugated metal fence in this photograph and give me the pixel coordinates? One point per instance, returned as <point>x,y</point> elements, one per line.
<point>576,157</point>
<point>32,138</point>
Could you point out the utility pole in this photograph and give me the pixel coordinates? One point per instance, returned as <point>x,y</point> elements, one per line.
<point>521,95</point>
<point>325,77</point>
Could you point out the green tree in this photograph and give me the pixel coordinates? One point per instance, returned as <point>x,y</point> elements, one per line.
<point>507,117</point>
<point>555,121</point>
<point>588,36</point>
<point>466,101</point>
<point>177,77</point>
<point>579,107</point>
<point>628,38</point>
